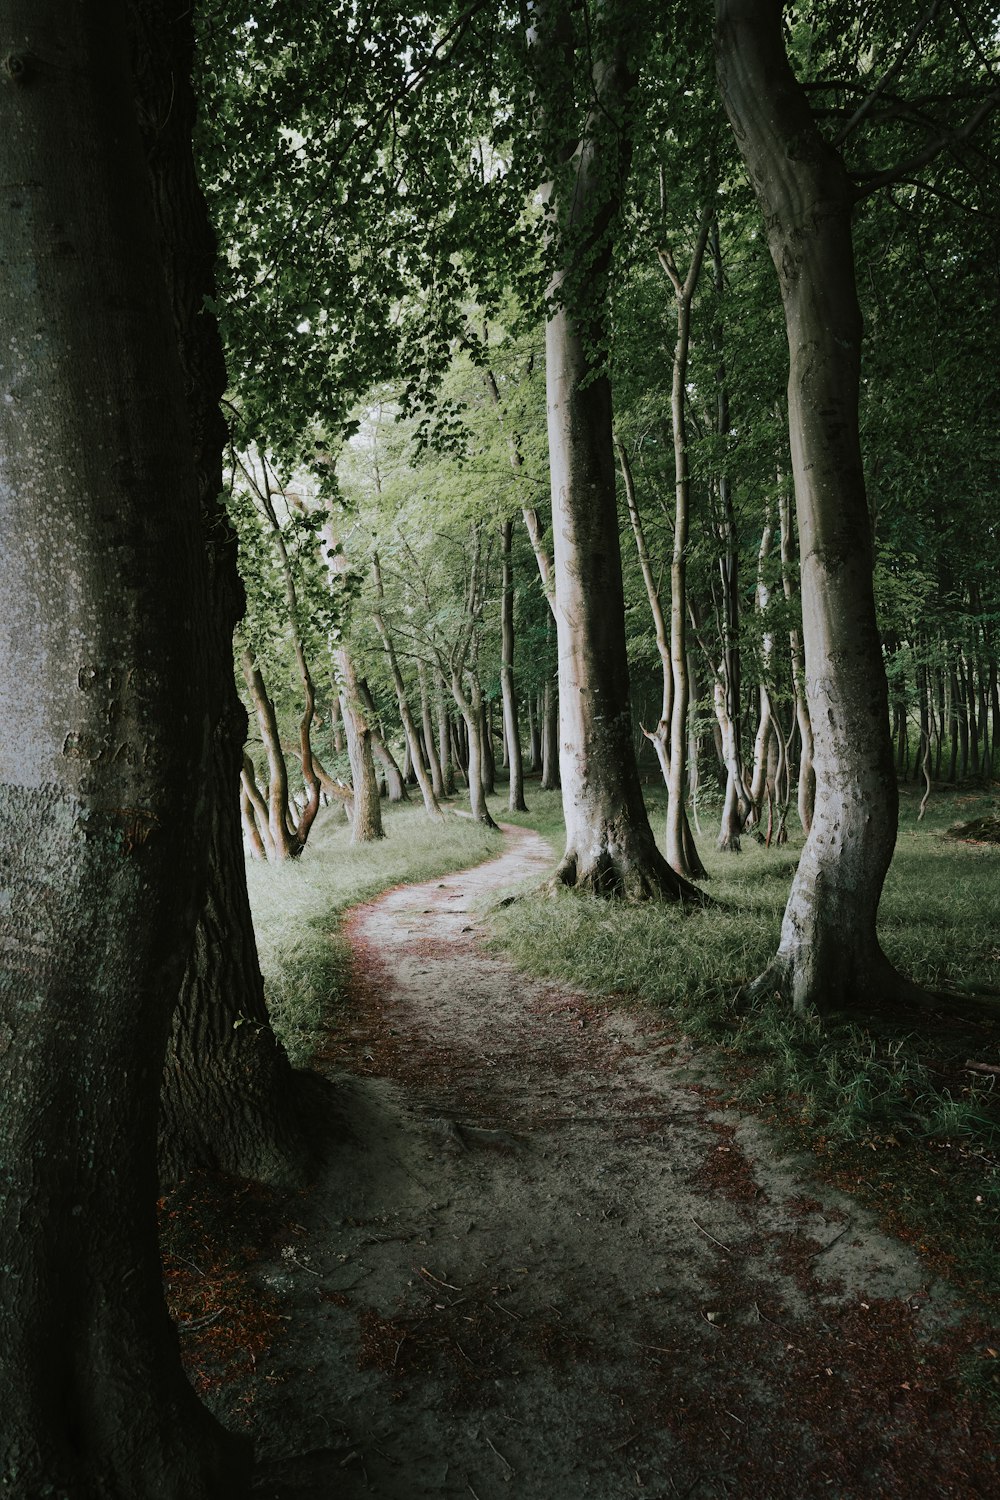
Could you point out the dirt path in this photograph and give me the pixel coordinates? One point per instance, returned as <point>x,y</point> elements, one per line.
<point>549,1264</point>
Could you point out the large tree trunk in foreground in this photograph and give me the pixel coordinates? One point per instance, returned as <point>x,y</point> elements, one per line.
<point>610,847</point>
<point>228,1096</point>
<point>829,954</point>
<point>104,759</point>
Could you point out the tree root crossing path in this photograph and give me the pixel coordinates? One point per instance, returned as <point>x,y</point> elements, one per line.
<point>548,1261</point>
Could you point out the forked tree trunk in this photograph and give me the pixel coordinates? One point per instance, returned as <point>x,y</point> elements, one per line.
<point>228,1099</point>
<point>610,847</point>
<point>283,842</point>
<point>829,954</point>
<point>395,783</point>
<point>103,766</point>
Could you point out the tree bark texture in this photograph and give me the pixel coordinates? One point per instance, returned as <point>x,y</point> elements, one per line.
<point>512,729</point>
<point>829,954</point>
<point>103,766</point>
<point>393,775</point>
<point>610,847</point>
<point>228,1094</point>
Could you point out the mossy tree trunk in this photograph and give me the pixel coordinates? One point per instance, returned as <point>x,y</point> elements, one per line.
<point>228,1096</point>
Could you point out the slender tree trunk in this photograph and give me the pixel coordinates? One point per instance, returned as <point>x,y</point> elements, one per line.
<point>104,763</point>
<point>337,726</point>
<point>534,738</point>
<point>829,953</point>
<point>488,761</point>
<point>433,762</point>
<point>550,737</point>
<point>431,806</point>
<point>681,852</point>
<point>284,843</point>
<point>511,727</point>
<point>444,737</point>
<point>807,776</point>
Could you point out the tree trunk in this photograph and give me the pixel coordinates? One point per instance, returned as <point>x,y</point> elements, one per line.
<point>534,738</point>
<point>444,738</point>
<point>682,855</point>
<point>284,843</point>
<point>228,1096</point>
<point>105,759</point>
<point>610,847</point>
<point>737,806</point>
<point>488,760</point>
<point>511,727</point>
<point>337,726</point>
<point>393,775</point>
<point>807,776</point>
<point>433,761</point>
<point>550,738</point>
<point>431,806</point>
<point>829,953</point>
<point>366,823</point>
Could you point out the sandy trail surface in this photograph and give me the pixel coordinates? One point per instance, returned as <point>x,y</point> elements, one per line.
<point>547,1262</point>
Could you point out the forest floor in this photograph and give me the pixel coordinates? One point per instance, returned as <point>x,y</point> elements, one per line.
<point>550,1259</point>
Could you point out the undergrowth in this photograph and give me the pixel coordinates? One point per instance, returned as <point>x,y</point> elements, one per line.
<point>296,906</point>
<point>886,1102</point>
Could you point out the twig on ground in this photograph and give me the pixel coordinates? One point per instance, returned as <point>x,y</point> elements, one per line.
<point>431,1277</point>
<point>830,1243</point>
<point>709,1235</point>
<point>980,1067</point>
<point>508,1466</point>
<point>195,1323</point>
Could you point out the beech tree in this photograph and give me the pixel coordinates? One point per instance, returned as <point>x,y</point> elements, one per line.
<point>103,768</point>
<point>228,1099</point>
<point>829,953</point>
<point>609,844</point>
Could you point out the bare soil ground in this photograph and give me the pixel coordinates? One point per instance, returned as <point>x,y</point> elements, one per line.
<point>548,1262</point>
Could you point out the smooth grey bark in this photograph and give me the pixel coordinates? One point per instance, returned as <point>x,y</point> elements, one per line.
<point>737,805</point>
<point>829,954</point>
<point>228,1097</point>
<point>444,736</point>
<point>806,789</point>
<point>512,729</point>
<point>682,855</point>
<point>487,758</point>
<point>610,847</point>
<point>366,819</point>
<point>105,749</point>
<point>283,844</point>
<point>427,724</point>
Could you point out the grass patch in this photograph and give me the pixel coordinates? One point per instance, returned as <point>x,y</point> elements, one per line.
<point>888,1103</point>
<point>296,907</point>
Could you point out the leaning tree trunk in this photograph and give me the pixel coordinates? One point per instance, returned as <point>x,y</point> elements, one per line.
<point>228,1096</point>
<point>106,747</point>
<point>829,954</point>
<point>610,847</point>
<point>427,724</point>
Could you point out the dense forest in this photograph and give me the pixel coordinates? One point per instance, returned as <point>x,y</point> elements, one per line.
<point>418,405</point>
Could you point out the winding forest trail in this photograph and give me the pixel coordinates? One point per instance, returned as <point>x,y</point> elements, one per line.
<point>548,1263</point>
